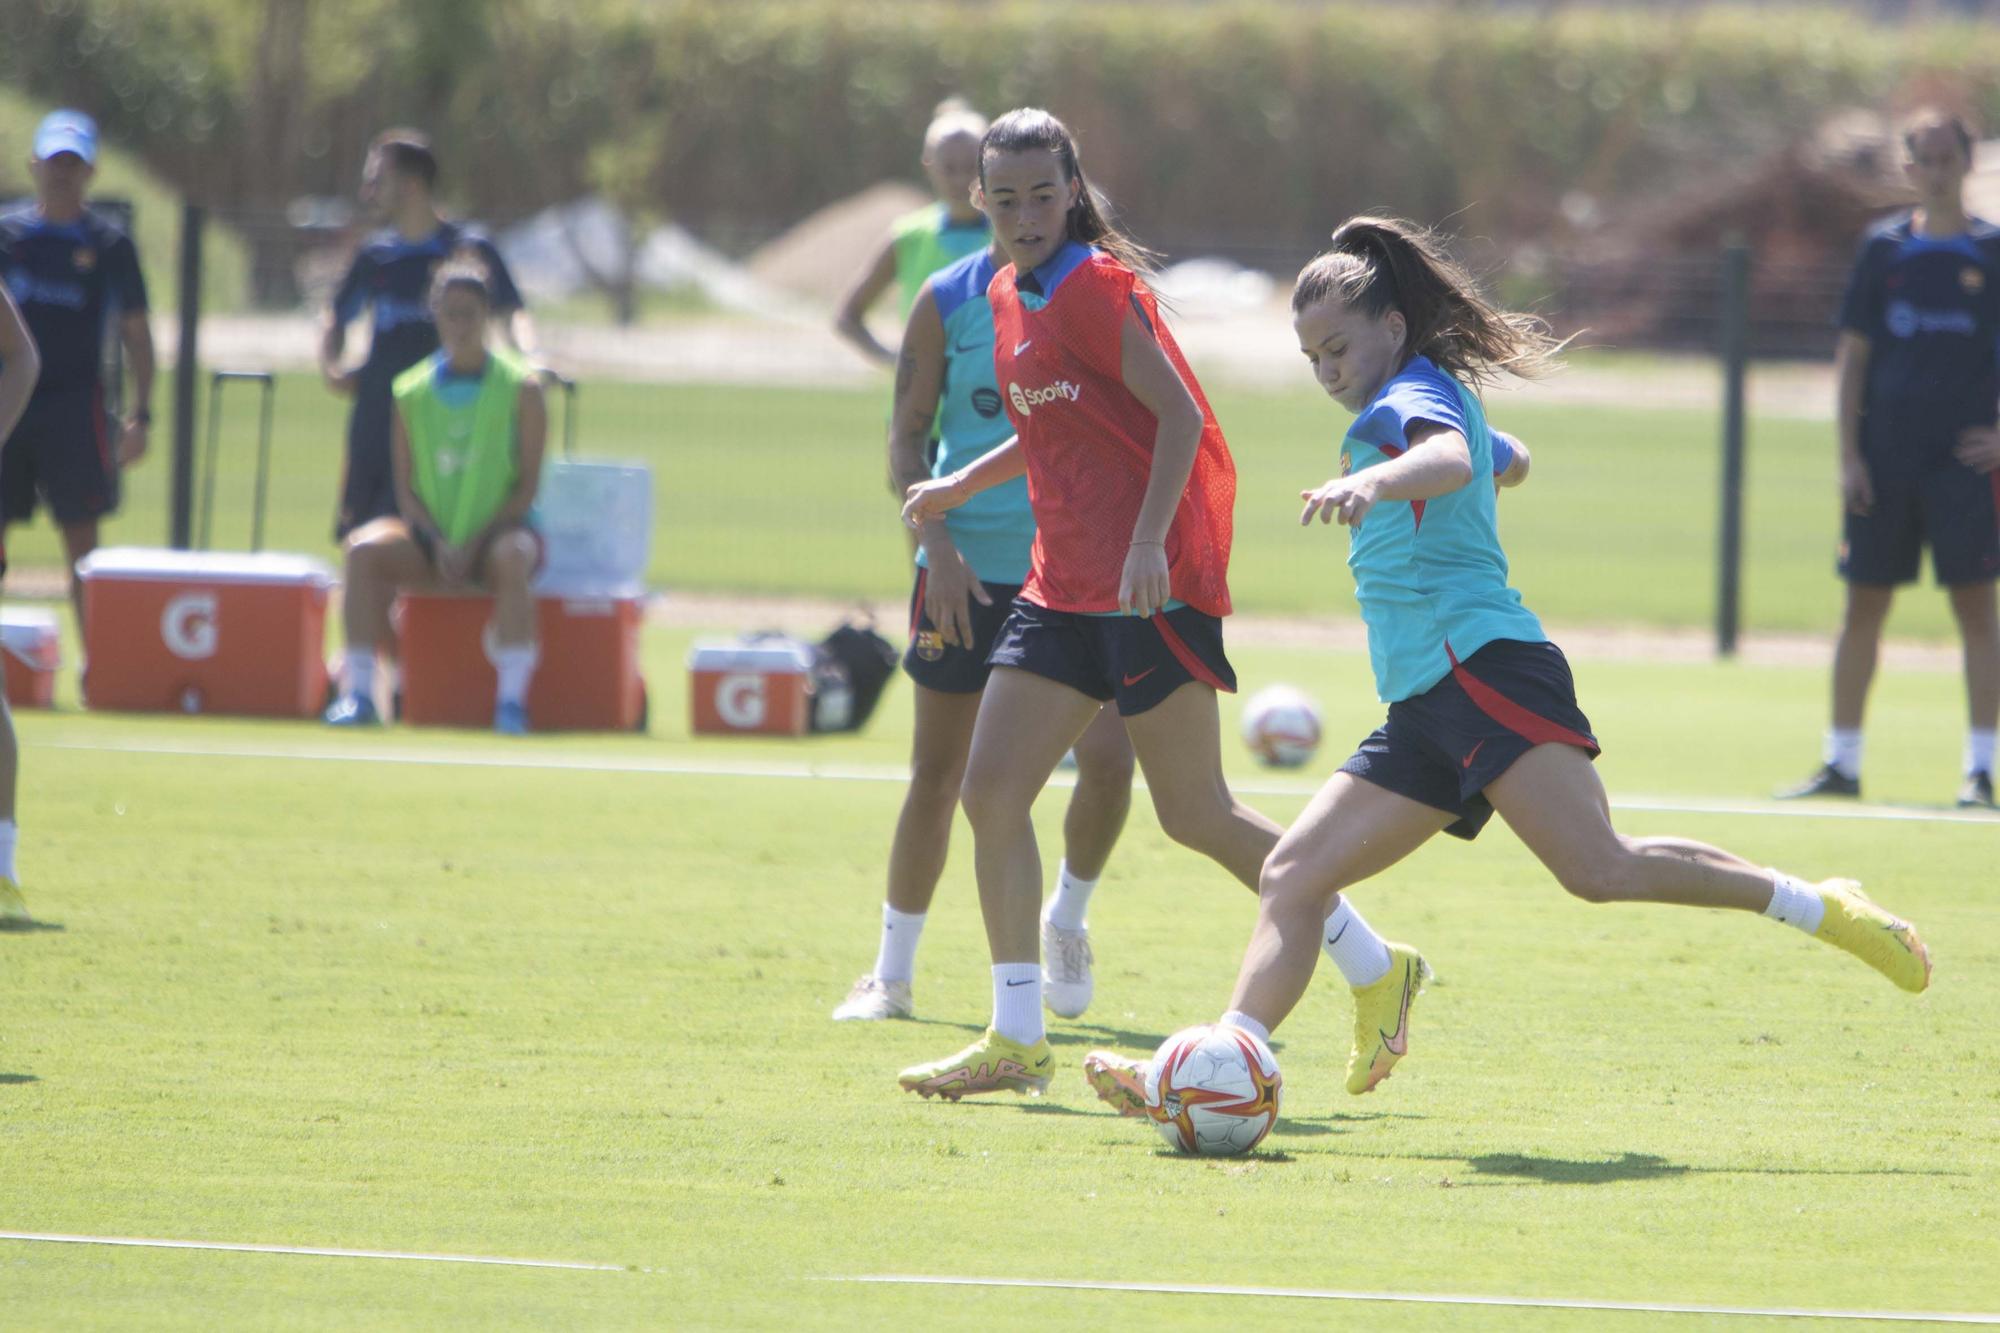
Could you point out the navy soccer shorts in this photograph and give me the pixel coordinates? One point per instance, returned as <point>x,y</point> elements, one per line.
<point>1136,661</point>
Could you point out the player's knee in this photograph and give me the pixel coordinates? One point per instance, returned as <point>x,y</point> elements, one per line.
<point>991,800</point>
<point>1191,819</point>
<point>935,782</point>
<point>1105,772</point>
<point>513,557</point>
<point>1607,874</point>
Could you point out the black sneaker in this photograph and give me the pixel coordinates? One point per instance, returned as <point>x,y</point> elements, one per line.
<point>1977,793</point>
<point>1829,781</point>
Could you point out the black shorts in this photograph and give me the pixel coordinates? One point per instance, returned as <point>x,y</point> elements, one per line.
<point>1953,509</point>
<point>1445,745</point>
<point>368,485</point>
<point>1138,662</point>
<point>61,455</point>
<point>937,665</point>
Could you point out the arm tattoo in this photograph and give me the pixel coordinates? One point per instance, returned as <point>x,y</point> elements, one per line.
<point>906,371</point>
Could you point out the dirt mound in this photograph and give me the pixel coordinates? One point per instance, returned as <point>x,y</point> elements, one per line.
<point>818,257</point>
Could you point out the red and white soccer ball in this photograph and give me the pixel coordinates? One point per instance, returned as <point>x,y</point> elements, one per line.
<point>1213,1090</point>
<point>1281,726</point>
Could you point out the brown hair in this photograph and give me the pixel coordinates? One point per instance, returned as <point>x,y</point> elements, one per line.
<point>1379,264</point>
<point>465,271</point>
<point>1030,129</point>
<point>407,153</point>
<point>1923,121</point>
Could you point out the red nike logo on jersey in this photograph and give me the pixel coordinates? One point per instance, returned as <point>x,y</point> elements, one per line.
<point>1467,761</point>
<point>1134,680</point>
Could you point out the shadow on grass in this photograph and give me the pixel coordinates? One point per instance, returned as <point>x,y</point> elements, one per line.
<point>1520,1168</point>
<point>1093,1035</point>
<point>1337,1122</point>
<point>6,1079</point>
<point>29,927</point>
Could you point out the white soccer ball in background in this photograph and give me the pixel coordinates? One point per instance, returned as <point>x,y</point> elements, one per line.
<point>1213,1090</point>
<point>1281,726</point>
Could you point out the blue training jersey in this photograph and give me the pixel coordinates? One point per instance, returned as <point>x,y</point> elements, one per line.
<point>1429,574</point>
<point>69,278</point>
<point>1930,309</point>
<point>995,530</point>
<point>390,282</point>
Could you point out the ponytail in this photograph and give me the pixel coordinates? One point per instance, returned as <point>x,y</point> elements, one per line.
<point>1380,264</point>
<point>1089,220</point>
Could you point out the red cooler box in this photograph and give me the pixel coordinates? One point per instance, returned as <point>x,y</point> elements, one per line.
<point>750,688</point>
<point>205,632</point>
<point>31,646</point>
<point>587,679</point>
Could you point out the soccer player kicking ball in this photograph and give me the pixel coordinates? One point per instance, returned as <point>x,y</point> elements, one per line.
<point>1482,712</point>
<point>1132,488</point>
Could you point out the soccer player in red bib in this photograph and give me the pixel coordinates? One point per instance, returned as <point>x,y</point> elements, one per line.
<point>1132,487</point>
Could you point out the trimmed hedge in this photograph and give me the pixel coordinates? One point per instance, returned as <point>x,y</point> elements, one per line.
<point>1250,125</point>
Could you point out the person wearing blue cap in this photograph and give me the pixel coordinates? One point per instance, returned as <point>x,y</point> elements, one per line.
<point>71,269</point>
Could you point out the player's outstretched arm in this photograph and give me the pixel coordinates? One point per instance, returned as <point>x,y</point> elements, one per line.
<point>851,322</point>
<point>20,363</point>
<point>1513,469</point>
<point>919,385</point>
<point>1437,462</point>
<point>934,499</point>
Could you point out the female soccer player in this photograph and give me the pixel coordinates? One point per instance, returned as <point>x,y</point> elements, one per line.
<point>1132,488</point>
<point>20,365</point>
<point>922,242</point>
<point>467,447</point>
<point>970,566</point>
<point>1482,713</point>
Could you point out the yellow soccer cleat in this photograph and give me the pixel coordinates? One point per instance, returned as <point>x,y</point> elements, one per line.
<point>992,1064</point>
<point>1886,943</point>
<point>1382,1019</point>
<point>1117,1080</point>
<point>13,907</point>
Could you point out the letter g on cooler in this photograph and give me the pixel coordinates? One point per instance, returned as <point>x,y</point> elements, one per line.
<point>739,701</point>
<point>188,626</point>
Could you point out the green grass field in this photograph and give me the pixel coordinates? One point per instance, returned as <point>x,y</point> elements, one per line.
<point>525,1005</point>
<point>783,492</point>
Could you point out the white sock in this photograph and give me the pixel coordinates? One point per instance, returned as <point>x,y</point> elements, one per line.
<point>1795,902</point>
<point>1072,897</point>
<point>8,833</point>
<point>358,680</point>
<point>1979,752</point>
<point>1361,955</point>
<point>1843,750</point>
<point>1017,1001</point>
<point>896,960</point>
<point>514,663</point>
<point>1236,1018</point>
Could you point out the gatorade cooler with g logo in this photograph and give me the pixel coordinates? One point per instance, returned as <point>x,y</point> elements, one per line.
<point>750,688</point>
<point>205,632</point>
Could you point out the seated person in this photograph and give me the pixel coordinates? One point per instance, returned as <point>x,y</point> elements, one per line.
<point>467,442</point>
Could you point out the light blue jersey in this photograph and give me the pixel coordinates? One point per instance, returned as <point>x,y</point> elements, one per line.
<point>995,530</point>
<point>1429,574</point>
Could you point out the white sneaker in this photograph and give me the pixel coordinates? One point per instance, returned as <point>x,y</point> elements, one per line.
<point>873,999</point>
<point>13,907</point>
<point>1066,958</point>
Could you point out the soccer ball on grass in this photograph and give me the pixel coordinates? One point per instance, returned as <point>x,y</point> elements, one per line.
<point>1213,1090</point>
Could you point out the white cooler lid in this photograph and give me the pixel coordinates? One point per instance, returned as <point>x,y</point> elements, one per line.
<point>19,619</point>
<point>735,655</point>
<point>148,562</point>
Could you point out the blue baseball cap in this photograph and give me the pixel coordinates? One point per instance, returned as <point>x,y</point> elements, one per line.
<point>66,132</point>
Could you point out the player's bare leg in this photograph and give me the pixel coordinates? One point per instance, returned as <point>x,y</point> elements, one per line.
<point>1855,653</point>
<point>13,907</point>
<point>1555,804</point>
<point>381,557</point>
<point>79,540</point>
<point>1974,606</point>
<point>510,565</point>
<point>1097,809</point>
<point>1179,744</point>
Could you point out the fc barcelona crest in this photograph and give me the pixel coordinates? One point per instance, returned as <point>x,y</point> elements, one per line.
<point>1972,280</point>
<point>84,260</point>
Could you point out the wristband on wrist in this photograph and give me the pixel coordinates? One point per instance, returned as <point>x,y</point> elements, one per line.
<point>1161,544</point>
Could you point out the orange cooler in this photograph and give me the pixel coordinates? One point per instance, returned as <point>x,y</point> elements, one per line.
<point>739,688</point>
<point>31,646</point>
<point>205,632</point>
<point>587,679</point>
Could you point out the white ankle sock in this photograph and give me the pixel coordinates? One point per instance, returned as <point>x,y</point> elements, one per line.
<point>8,835</point>
<point>1361,955</point>
<point>1236,1018</point>
<point>514,663</point>
<point>1017,1001</point>
<point>896,959</point>
<point>1843,750</point>
<point>358,680</point>
<point>1072,898</point>
<point>1979,752</point>
<point>1795,902</point>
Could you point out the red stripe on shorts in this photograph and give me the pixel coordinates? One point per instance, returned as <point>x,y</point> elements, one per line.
<point>917,606</point>
<point>1186,656</point>
<point>1522,721</point>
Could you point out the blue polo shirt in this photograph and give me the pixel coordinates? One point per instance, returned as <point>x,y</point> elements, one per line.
<point>70,279</point>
